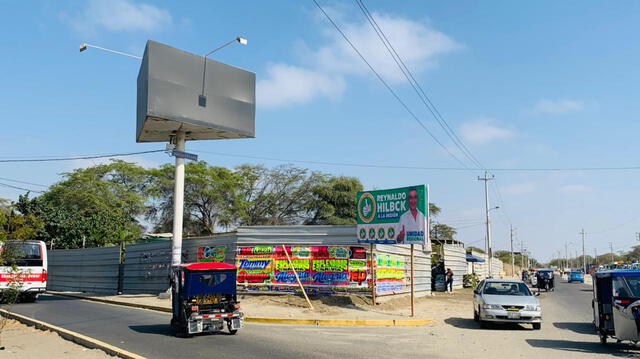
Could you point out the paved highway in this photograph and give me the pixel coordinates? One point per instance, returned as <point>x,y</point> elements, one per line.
<point>566,333</point>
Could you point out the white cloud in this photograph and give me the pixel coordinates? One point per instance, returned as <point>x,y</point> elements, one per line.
<point>334,61</point>
<point>519,188</point>
<point>483,131</point>
<point>558,106</point>
<point>118,15</point>
<point>575,188</point>
<point>286,85</point>
<point>417,45</point>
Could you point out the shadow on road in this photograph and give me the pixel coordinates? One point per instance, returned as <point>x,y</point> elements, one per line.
<point>466,323</point>
<point>586,290</point>
<point>619,350</point>
<point>581,328</point>
<point>161,329</point>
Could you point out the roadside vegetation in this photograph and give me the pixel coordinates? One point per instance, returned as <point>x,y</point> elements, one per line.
<point>115,203</point>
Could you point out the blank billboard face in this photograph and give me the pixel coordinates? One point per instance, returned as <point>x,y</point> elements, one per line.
<point>170,97</point>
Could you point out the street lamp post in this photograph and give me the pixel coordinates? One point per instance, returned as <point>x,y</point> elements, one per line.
<point>179,141</point>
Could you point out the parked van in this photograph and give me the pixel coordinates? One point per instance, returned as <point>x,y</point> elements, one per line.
<point>30,272</point>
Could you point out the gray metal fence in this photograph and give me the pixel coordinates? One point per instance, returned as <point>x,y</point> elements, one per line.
<point>84,270</point>
<point>146,268</point>
<point>455,257</point>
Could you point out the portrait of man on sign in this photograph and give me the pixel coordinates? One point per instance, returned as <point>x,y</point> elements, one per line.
<point>412,222</point>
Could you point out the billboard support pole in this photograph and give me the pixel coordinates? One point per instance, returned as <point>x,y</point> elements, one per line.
<point>373,271</point>
<point>178,202</point>
<point>304,292</point>
<point>413,285</point>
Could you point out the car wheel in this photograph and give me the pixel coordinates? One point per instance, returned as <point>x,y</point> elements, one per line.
<point>603,339</point>
<point>537,326</point>
<point>476,316</point>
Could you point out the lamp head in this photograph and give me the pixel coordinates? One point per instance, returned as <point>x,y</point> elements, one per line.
<point>242,40</point>
<point>83,47</point>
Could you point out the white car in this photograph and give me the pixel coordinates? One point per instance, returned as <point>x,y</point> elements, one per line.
<point>507,301</point>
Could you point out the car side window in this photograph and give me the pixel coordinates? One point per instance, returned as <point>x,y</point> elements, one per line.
<point>479,287</point>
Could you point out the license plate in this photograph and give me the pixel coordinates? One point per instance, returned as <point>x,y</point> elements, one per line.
<point>513,315</point>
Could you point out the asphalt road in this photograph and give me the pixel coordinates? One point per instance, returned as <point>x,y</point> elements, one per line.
<point>567,332</point>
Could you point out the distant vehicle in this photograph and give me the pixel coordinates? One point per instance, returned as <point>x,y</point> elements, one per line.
<point>576,276</point>
<point>534,281</point>
<point>545,280</point>
<point>616,304</point>
<point>30,272</point>
<point>506,301</point>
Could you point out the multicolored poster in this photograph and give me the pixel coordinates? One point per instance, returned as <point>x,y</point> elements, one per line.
<point>393,216</point>
<point>212,254</point>
<point>255,269</point>
<point>320,268</point>
<point>390,273</point>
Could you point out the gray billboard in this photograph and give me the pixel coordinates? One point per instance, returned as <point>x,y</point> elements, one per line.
<point>177,91</point>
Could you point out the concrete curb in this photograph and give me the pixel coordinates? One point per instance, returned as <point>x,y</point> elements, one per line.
<point>72,336</point>
<point>290,321</point>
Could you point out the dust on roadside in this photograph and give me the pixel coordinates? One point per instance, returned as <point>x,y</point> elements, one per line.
<point>24,342</point>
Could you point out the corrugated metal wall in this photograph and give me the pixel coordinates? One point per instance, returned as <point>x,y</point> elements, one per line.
<point>455,257</point>
<point>146,268</point>
<point>422,268</point>
<point>84,270</point>
<point>482,269</point>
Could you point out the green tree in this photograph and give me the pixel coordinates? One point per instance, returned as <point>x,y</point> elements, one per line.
<point>91,205</point>
<point>442,231</point>
<point>212,198</point>
<point>335,201</point>
<point>278,196</point>
<point>15,225</point>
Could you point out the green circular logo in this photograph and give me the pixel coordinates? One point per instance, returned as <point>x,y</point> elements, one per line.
<point>372,233</point>
<point>381,233</point>
<point>366,208</point>
<point>391,232</point>
<point>362,233</point>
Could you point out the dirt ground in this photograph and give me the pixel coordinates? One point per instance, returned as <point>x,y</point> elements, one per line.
<point>438,306</point>
<point>26,342</point>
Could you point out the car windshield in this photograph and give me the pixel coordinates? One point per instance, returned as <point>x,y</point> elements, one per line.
<point>626,286</point>
<point>506,288</point>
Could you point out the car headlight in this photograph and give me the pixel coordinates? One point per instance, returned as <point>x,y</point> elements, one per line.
<point>532,307</point>
<point>491,306</point>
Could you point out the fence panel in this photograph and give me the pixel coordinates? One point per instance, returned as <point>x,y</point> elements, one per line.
<point>455,257</point>
<point>388,280</point>
<point>84,270</point>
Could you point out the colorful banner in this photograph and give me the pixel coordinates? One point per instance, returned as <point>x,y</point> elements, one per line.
<point>322,269</point>
<point>212,254</point>
<point>390,273</point>
<point>393,216</point>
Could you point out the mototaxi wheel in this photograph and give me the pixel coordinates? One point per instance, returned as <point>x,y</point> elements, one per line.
<point>231,331</point>
<point>536,326</point>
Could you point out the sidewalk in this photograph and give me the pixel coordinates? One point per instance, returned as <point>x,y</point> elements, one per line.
<point>288,306</point>
<point>26,342</point>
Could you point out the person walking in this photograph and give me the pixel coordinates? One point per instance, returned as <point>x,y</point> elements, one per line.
<point>449,280</point>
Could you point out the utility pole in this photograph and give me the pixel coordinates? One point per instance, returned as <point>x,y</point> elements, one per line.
<point>584,258</point>
<point>566,254</point>
<point>595,258</point>
<point>486,180</point>
<point>513,263</point>
<point>611,249</point>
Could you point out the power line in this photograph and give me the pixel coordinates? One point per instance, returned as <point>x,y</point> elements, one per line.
<point>23,182</point>
<point>19,188</point>
<point>71,158</point>
<point>416,86</point>
<point>389,88</point>
<point>363,165</point>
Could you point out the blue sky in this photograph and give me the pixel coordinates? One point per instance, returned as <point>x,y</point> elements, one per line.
<point>525,85</point>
